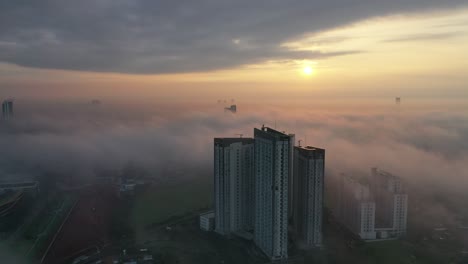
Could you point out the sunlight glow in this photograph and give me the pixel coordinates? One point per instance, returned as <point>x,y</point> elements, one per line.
<point>308,70</point>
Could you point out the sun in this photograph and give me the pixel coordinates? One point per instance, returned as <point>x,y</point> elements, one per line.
<point>308,70</point>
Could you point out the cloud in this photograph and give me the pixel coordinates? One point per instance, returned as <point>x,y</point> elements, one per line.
<point>425,37</point>
<point>425,147</point>
<point>148,36</point>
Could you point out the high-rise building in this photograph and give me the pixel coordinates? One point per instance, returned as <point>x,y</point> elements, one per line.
<point>356,207</point>
<point>272,175</point>
<point>7,109</point>
<point>291,178</point>
<point>391,203</point>
<point>233,184</point>
<point>309,169</point>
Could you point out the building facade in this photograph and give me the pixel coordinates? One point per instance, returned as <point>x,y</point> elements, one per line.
<point>233,184</point>
<point>7,109</point>
<point>392,203</point>
<point>207,221</point>
<point>309,171</point>
<point>357,208</point>
<point>291,179</point>
<point>273,161</point>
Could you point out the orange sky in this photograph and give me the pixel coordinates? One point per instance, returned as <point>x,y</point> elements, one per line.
<point>416,55</point>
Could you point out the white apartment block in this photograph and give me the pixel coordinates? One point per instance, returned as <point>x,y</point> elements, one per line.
<point>273,161</point>
<point>207,221</point>
<point>392,203</point>
<point>357,208</point>
<point>233,185</point>
<point>309,170</point>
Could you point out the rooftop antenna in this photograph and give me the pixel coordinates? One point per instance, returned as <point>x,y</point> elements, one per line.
<point>240,135</point>
<point>275,123</point>
<point>299,142</point>
<point>306,140</point>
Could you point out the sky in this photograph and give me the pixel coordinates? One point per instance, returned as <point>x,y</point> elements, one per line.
<point>238,49</point>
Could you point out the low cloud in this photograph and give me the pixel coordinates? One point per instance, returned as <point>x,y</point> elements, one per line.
<point>424,147</point>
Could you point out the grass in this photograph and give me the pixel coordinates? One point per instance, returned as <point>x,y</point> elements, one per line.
<point>404,252</point>
<point>158,203</point>
<point>186,243</point>
<point>389,252</point>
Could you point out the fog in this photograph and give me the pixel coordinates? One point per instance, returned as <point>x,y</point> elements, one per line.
<point>424,142</point>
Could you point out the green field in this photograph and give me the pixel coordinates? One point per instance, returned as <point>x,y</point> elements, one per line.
<point>153,206</point>
<point>156,204</point>
<point>390,252</point>
<point>404,252</point>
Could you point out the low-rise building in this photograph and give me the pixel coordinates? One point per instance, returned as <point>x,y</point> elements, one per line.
<point>207,221</point>
<point>391,204</point>
<point>356,207</point>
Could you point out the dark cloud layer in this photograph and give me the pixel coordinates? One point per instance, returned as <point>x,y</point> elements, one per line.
<point>146,36</point>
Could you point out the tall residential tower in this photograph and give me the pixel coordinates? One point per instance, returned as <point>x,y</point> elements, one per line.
<point>273,162</point>
<point>309,170</point>
<point>233,184</point>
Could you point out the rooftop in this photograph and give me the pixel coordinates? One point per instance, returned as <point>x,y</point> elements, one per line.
<point>310,151</point>
<point>310,148</point>
<point>207,214</point>
<point>271,133</point>
<point>228,141</point>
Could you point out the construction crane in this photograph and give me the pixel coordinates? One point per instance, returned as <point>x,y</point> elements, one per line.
<point>240,135</point>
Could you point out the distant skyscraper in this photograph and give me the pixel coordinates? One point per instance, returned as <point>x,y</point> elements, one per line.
<point>391,203</point>
<point>7,109</point>
<point>232,108</point>
<point>233,184</point>
<point>272,174</point>
<point>309,170</point>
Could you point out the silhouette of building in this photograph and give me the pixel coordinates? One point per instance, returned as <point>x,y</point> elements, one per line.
<point>397,100</point>
<point>96,102</point>
<point>233,184</point>
<point>232,108</point>
<point>273,161</point>
<point>309,170</point>
<point>7,109</point>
